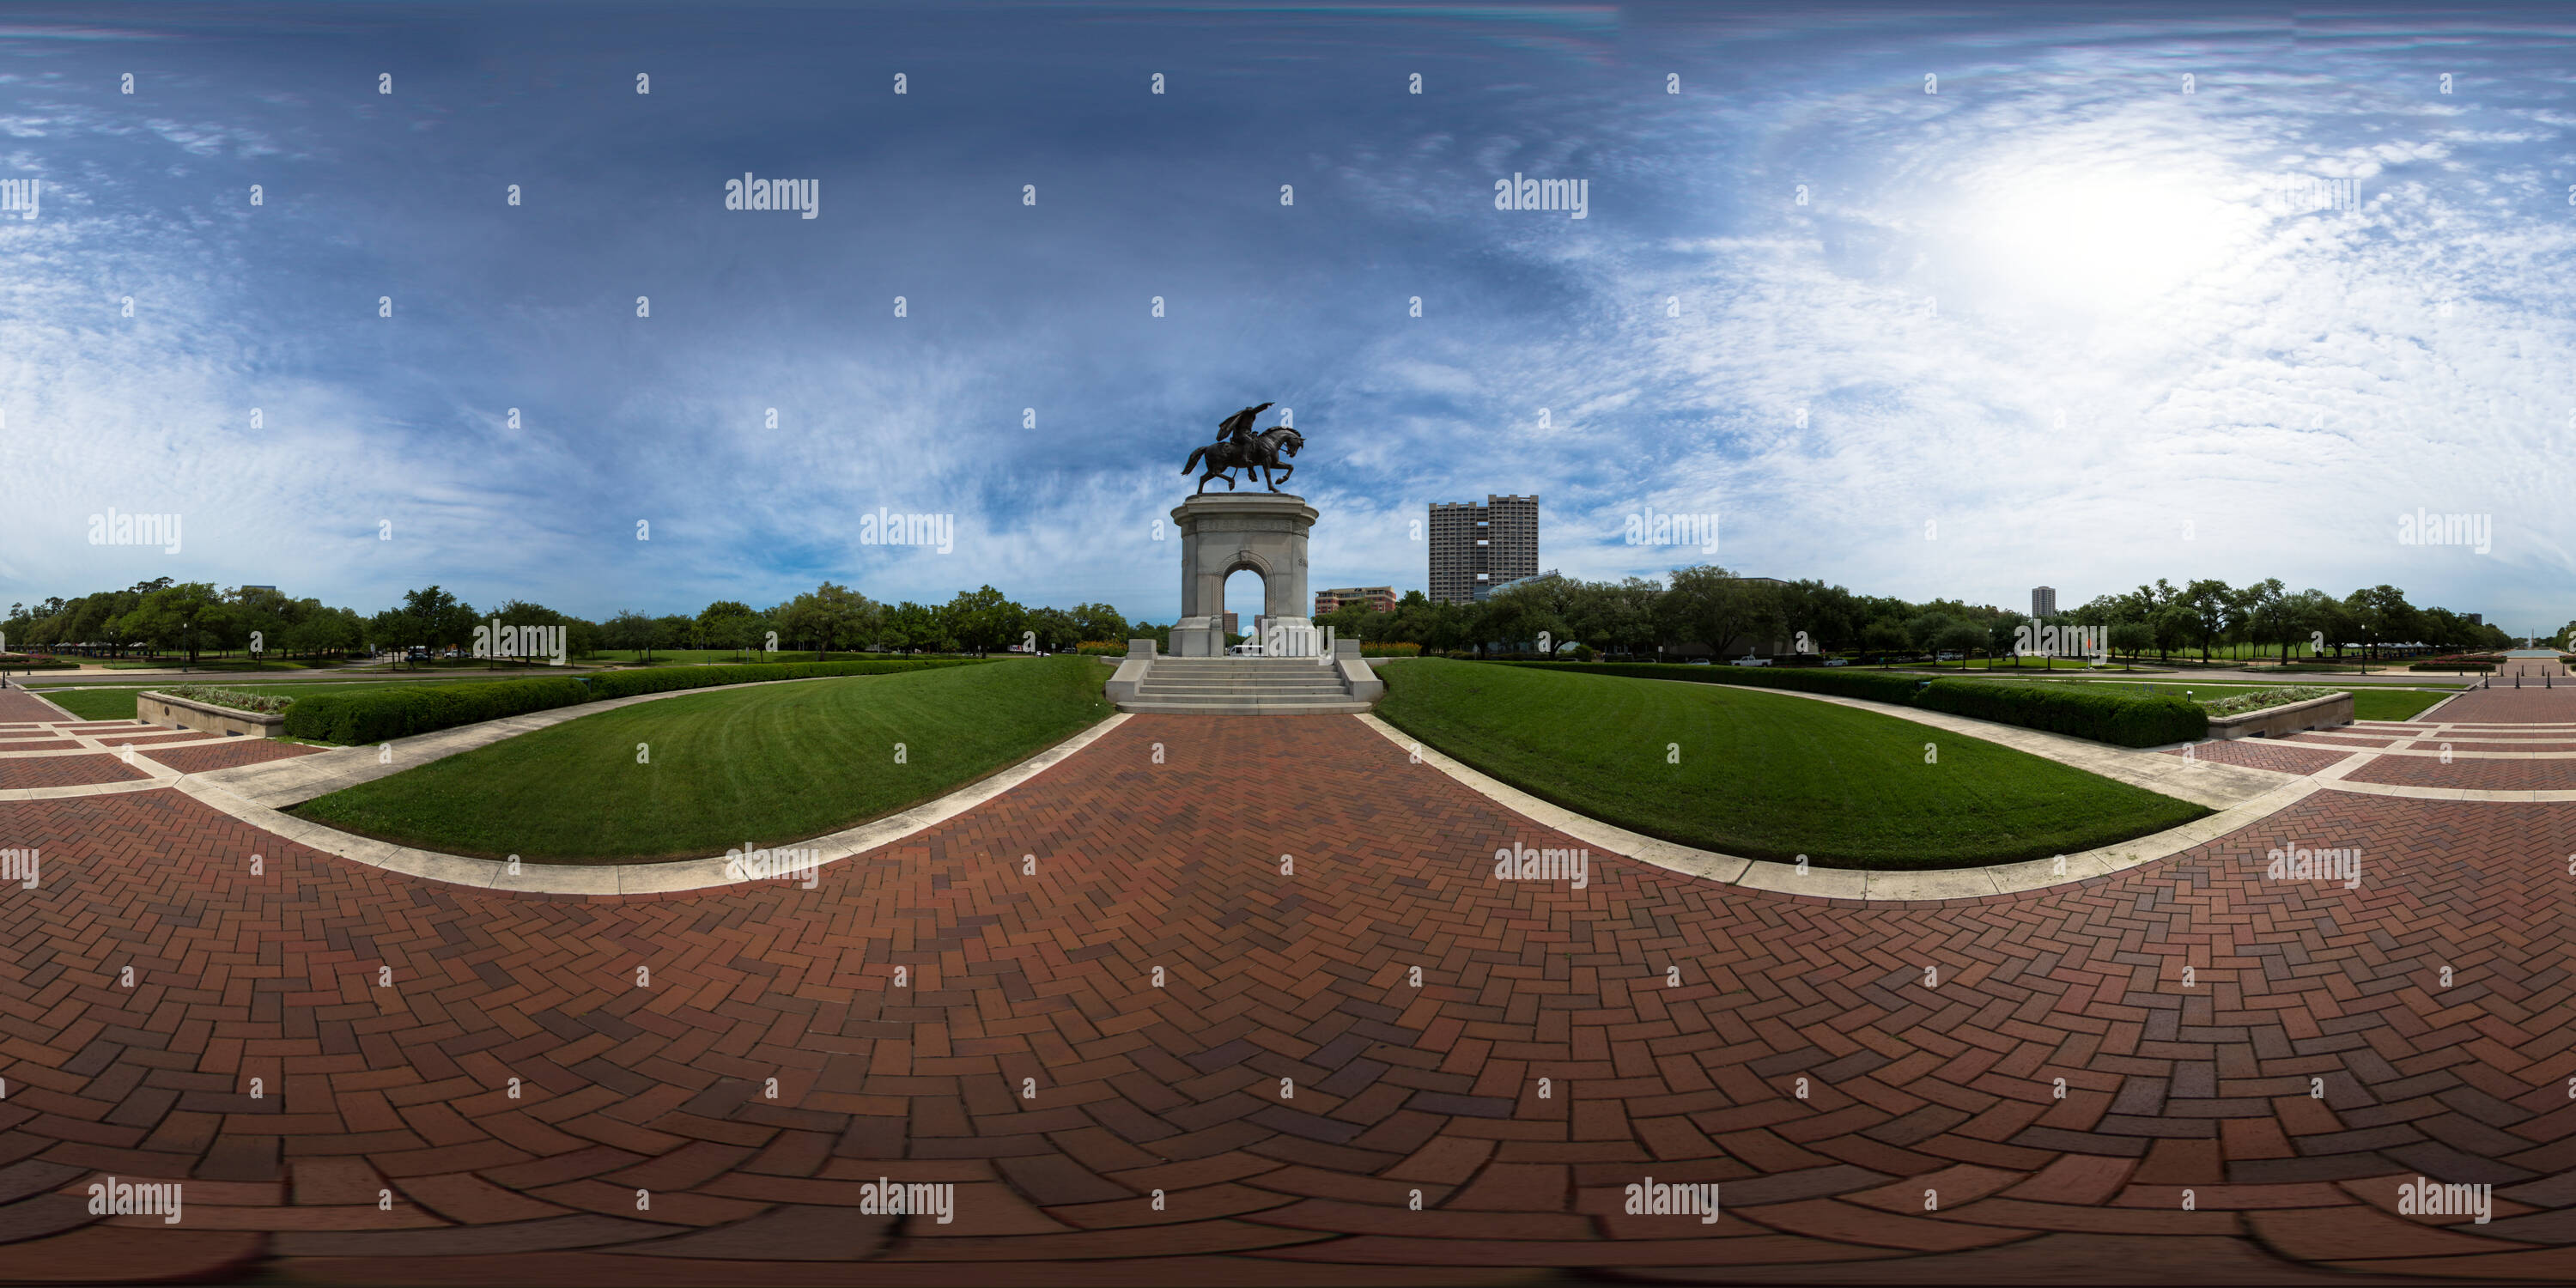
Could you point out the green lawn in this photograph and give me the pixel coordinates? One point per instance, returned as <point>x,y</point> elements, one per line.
<point>769,765</point>
<point>1763,774</point>
<point>105,702</point>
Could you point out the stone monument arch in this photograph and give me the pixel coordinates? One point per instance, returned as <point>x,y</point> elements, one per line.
<point>1223,534</point>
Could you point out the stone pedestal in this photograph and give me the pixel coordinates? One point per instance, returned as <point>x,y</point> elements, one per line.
<point>1222,535</point>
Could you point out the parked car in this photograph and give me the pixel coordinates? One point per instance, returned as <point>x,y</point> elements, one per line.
<point>1838,661</point>
<point>1697,661</point>
<point>1753,661</point>
<point>1949,657</point>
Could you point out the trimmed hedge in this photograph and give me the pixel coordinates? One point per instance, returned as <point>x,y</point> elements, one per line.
<point>2450,666</point>
<point>382,714</point>
<point>2115,718</point>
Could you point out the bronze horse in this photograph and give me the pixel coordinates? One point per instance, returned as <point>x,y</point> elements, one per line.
<point>1266,451</point>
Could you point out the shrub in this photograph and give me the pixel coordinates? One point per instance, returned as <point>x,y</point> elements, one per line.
<point>381,714</point>
<point>1100,648</point>
<point>2116,718</point>
<point>1389,650</point>
<point>2450,666</point>
<point>264,703</point>
<point>2258,699</point>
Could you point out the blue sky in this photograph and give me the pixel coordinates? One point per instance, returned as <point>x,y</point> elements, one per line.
<point>1866,386</point>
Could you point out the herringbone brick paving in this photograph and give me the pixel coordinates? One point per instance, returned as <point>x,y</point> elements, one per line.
<point>1793,1048</point>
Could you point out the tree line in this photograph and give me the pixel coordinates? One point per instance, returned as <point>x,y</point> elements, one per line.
<point>1711,607</point>
<point>196,618</point>
<point>1703,606</point>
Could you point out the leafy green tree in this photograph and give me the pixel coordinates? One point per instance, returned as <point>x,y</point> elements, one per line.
<point>442,620</point>
<point>181,616</point>
<point>629,630</point>
<point>2003,635</point>
<point>909,626</point>
<point>1097,623</point>
<point>2205,606</point>
<point>1923,630</point>
<point>982,619</point>
<point>1712,606</point>
<point>1961,638</point>
<point>727,623</point>
<point>1055,628</point>
<point>673,631</point>
<point>2129,639</point>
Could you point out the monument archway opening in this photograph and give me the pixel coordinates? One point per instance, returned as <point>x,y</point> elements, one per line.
<point>1247,592</point>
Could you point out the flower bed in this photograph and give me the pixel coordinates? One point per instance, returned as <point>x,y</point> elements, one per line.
<point>238,700</point>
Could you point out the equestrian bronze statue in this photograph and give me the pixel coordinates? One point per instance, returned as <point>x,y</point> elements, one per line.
<point>1237,447</point>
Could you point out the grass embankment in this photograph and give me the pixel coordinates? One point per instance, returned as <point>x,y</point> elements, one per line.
<point>1763,774</point>
<point>770,764</point>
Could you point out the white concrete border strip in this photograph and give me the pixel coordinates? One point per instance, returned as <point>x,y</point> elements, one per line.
<point>1856,883</point>
<point>675,876</point>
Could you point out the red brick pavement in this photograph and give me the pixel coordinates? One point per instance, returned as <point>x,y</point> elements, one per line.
<point>228,754</point>
<point>2263,753</point>
<point>17,706</point>
<point>2476,775</point>
<point>1803,1058</point>
<point>67,771</point>
<point>2511,706</point>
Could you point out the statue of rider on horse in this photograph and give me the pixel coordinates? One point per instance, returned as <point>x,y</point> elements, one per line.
<point>1237,447</point>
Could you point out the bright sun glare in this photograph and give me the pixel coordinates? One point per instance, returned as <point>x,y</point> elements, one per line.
<point>2074,236</point>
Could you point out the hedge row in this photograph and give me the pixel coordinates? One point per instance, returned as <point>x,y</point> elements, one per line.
<point>382,714</point>
<point>2117,718</point>
<point>2450,666</point>
<point>379,715</point>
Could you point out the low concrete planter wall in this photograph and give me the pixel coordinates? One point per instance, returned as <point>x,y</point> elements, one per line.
<point>204,717</point>
<point>2327,712</point>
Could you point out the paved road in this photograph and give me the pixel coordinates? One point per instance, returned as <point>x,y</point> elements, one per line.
<point>1287,1088</point>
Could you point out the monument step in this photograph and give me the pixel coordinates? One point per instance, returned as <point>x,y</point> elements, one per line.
<point>1157,693</point>
<point>1244,664</point>
<point>1292,679</point>
<point>1142,705</point>
<point>1199,686</point>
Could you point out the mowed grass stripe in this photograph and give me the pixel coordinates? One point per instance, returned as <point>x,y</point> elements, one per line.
<point>1762,774</point>
<point>768,765</point>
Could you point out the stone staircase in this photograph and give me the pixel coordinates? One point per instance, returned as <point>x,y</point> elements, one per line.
<point>1242,686</point>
